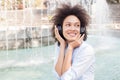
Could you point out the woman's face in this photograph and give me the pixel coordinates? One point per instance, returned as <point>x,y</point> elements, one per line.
<point>71,28</point>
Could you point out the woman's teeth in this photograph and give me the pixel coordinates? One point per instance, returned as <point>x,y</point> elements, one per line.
<point>72,34</point>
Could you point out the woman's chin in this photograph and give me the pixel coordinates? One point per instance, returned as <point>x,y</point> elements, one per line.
<point>72,39</point>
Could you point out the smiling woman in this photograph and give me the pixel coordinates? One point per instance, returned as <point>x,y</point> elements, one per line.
<point>75,58</point>
<point>71,28</point>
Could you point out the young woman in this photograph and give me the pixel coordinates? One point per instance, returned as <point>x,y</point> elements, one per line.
<point>75,58</point>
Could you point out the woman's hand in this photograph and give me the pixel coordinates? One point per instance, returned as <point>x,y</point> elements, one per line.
<point>60,60</point>
<point>59,38</point>
<point>76,43</point>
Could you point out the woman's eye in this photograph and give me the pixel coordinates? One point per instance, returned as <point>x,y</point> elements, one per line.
<point>77,25</point>
<point>68,25</point>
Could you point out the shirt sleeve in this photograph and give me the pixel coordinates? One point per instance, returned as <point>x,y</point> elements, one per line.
<point>80,64</point>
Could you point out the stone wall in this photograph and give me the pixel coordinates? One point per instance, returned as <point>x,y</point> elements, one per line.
<point>24,38</point>
<point>115,12</point>
<point>18,31</point>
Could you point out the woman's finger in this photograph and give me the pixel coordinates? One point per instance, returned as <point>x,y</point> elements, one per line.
<point>56,31</point>
<point>78,37</point>
<point>82,37</point>
<point>57,35</point>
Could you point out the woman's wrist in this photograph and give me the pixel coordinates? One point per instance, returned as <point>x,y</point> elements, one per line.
<point>62,45</point>
<point>70,47</point>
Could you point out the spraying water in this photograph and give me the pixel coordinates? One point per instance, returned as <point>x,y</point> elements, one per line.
<point>101,12</point>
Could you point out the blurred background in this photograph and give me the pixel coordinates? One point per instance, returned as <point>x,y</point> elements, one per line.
<point>26,43</point>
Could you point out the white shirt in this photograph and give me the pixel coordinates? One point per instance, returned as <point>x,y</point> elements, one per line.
<point>82,64</point>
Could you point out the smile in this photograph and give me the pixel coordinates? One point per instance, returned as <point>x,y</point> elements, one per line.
<point>72,34</point>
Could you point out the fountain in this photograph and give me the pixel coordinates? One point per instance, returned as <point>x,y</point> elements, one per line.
<point>27,49</point>
<point>25,36</point>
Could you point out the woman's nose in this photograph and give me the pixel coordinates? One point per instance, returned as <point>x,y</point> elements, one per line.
<point>72,27</point>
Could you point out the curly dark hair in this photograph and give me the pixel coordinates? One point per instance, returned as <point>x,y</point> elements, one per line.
<point>65,10</point>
